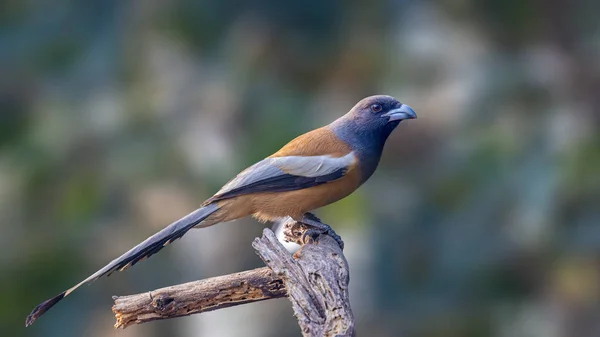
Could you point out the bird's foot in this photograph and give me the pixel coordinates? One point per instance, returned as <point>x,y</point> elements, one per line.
<point>318,228</point>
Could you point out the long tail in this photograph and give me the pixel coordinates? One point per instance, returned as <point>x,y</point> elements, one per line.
<point>142,251</point>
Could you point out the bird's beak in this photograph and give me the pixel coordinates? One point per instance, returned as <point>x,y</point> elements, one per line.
<point>403,112</point>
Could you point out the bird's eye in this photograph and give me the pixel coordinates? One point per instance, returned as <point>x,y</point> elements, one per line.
<point>376,108</point>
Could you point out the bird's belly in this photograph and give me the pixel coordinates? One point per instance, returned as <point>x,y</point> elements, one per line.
<point>270,206</point>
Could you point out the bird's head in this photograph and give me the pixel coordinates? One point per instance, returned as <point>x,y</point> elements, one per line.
<point>367,126</point>
<point>376,116</point>
<point>380,112</point>
<point>371,121</point>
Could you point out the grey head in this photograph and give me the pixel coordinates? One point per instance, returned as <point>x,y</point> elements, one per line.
<point>367,126</point>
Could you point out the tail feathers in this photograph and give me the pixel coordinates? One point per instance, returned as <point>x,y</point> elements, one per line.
<point>138,253</point>
<point>41,308</point>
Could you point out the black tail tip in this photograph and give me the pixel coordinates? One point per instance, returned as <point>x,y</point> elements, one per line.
<point>42,308</point>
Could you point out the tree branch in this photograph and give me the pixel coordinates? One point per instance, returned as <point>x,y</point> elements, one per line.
<point>199,296</point>
<point>315,279</point>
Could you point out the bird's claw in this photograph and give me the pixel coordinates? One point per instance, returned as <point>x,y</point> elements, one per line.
<point>318,228</point>
<point>310,236</point>
<point>336,237</point>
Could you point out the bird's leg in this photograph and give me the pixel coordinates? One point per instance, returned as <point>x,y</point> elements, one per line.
<point>317,227</point>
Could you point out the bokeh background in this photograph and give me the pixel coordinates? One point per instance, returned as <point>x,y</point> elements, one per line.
<point>118,117</point>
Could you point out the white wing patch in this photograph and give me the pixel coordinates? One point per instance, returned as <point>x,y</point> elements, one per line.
<point>313,166</point>
<point>304,166</point>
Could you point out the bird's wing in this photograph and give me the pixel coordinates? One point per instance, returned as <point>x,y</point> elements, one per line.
<point>279,174</point>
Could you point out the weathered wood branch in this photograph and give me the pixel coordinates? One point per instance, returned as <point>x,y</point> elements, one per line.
<point>199,296</point>
<point>315,279</point>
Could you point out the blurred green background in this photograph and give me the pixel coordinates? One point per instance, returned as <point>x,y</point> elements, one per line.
<point>118,117</point>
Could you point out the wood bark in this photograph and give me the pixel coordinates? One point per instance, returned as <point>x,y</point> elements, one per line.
<point>315,279</point>
<point>199,296</point>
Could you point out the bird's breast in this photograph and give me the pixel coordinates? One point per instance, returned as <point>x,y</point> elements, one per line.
<point>366,144</point>
<point>368,162</point>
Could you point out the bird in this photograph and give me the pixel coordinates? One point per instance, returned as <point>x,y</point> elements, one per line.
<point>315,169</point>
